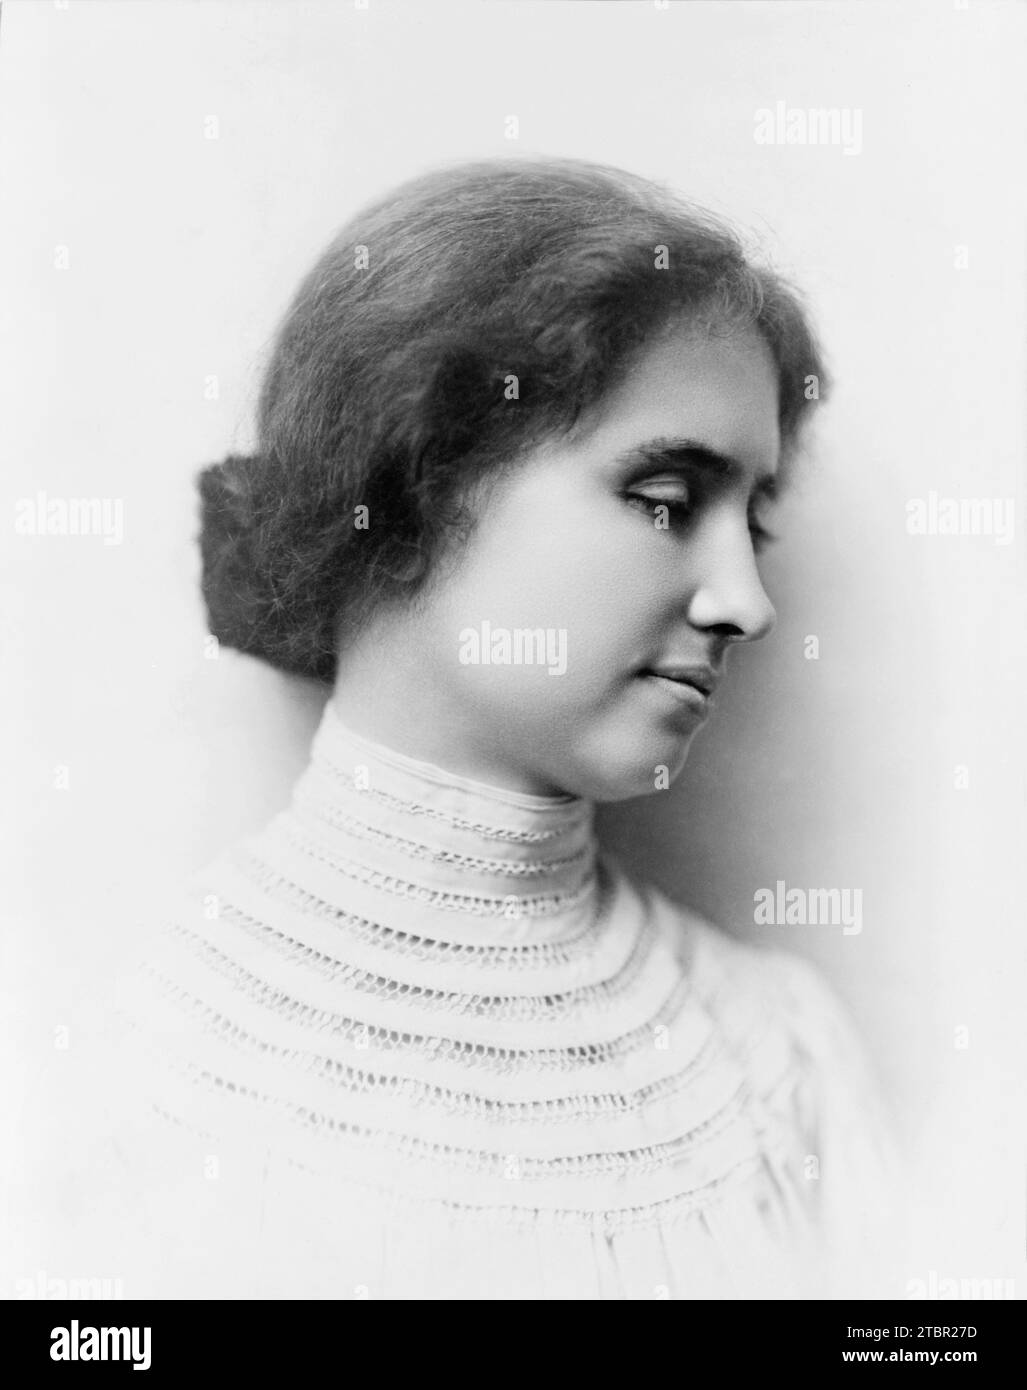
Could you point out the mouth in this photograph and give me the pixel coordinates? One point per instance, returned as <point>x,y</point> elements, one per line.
<point>691,686</point>
<point>701,678</point>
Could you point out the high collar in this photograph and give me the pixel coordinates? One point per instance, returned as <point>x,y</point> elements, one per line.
<point>477,859</point>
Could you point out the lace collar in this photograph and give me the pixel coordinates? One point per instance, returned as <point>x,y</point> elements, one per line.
<point>523,866</point>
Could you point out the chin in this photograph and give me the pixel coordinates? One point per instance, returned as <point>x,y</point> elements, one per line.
<point>627,772</point>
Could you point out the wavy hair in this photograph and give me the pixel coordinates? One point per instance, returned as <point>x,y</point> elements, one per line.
<point>386,387</point>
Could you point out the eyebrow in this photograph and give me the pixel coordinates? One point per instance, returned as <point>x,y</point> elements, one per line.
<point>672,453</point>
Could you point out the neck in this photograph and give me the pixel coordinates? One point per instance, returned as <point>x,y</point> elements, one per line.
<point>400,706</point>
<point>445,848</point>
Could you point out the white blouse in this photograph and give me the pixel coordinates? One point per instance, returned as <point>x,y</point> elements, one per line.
<point>418,1039</point>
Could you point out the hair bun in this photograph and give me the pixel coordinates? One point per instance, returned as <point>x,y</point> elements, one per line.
<point>226,493</point>
<point>230,581</point>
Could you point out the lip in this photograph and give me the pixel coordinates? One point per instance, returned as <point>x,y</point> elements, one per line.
<point>683,695</point>
<point>701,678</point>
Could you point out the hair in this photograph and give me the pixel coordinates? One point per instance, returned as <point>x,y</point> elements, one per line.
<point>386,385</point>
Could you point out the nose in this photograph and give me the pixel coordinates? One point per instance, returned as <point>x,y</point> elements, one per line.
<point>729,597</point>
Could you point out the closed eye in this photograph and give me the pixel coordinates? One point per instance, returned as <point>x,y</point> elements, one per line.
<point>677,508</point>
<point>673,512</point>
<point>668,499</point>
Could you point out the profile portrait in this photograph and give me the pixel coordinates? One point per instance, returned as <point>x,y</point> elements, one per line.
<point>508,838</point>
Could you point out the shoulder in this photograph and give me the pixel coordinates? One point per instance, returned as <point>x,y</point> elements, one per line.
<point>733,975</point>
<point>791,988</point>
<point>778,1011</point>
<point>809,1072</point>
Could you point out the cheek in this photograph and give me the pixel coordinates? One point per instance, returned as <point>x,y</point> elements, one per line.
<point>615,584</point>
<point>596,583</point>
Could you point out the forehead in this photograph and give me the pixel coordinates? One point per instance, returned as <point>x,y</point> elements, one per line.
<point>719,389</point>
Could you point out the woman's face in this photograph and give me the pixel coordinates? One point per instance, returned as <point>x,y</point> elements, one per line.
<point>626,551</point>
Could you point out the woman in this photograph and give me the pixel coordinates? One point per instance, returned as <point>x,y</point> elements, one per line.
<point>519,437</point>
